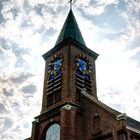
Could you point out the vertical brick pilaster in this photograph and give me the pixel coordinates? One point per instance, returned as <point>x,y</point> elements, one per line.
<point>128,135</point>
<point>73,124</point>
<point>63,125</point>
<point>68,124</point>
<point>115,137</point>
<point>34,135</point>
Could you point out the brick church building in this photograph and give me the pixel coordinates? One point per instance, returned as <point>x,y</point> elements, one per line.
<point>70,106</point>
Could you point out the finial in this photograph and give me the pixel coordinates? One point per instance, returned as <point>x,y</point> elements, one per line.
<point>70,4</point>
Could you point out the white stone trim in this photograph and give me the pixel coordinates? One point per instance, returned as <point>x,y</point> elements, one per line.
<point>67,107</point>
<point>133,129</point>
<point>37,120</point>
<point>121,116</point>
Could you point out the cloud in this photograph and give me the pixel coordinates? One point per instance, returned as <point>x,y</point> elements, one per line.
<point>39,8</point>
<point>94,7</point>
<point>8,122</point>
<point>134,44</point>
<point>26,6</point>
<point>132,17</point>
<point>27,29</point>
<point>110,18</point>
<point>29,89</point>
<point>47,34</point>
<point>118,19</point>
<point>1,16</point>
<point>12,54</point>
<point>122,4</point>
<point>133,47</point>
<point>16,98</point>
<point>2,108</point>
<point>7,92</point>
<point>9,10</point>
<point>22,77</point>
<point>108,24</point>
<point>20,88</point>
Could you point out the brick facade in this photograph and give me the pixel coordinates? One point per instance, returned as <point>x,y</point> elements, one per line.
<point>83,119</point>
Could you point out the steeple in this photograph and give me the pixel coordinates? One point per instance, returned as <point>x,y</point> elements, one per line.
<point>70,30</point>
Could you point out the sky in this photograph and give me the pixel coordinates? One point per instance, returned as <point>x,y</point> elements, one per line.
<point>29,28</point>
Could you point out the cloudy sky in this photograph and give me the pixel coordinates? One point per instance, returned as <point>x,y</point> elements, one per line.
<point>29,28</point>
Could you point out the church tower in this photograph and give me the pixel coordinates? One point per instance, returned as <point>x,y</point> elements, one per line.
<point>70,107</point>
<point>70,68</point>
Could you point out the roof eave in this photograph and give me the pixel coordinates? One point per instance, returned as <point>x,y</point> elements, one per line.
<point>70,40</point>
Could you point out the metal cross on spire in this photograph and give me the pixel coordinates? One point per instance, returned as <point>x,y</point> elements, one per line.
<point>70,4</point>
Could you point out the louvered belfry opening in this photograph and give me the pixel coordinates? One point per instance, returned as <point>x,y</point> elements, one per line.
<point>83,77</point>
<point>82,82</point>
<point>54,82</point>
<point>54,90</point>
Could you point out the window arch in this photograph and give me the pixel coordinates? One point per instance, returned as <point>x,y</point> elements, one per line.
<point>53,132</point>
<point>97,123</point>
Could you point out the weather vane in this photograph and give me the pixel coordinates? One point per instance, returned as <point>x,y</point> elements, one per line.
<point>70,4</point>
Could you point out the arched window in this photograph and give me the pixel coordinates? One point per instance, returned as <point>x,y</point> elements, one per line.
<point>96,123</point>
<point>53,132</point>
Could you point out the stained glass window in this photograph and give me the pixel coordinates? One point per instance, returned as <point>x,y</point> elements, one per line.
<point>57,64</point>
<point>53,132</point>
<point>83,79</point>
<point>55,80</point>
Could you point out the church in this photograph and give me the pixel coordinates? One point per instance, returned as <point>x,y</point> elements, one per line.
<point>71,109</point>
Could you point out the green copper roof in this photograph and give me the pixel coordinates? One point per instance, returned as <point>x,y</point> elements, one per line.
<point>70,30</point>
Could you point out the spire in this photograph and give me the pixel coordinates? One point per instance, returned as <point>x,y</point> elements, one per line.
<point>70,30</point>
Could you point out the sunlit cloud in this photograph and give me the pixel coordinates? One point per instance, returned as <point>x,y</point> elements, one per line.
<point>29,28</point>
<point>96,7</point>
<point>18,93</point>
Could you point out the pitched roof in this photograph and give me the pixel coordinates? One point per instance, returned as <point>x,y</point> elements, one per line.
<point>131,124</point>
<point>70,30</point>
<point>104,106</point>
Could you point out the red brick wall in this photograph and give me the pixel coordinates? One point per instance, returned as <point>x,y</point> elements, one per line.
<point>78,123</point>
<point>107,122</point>
<point>69,53</point>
